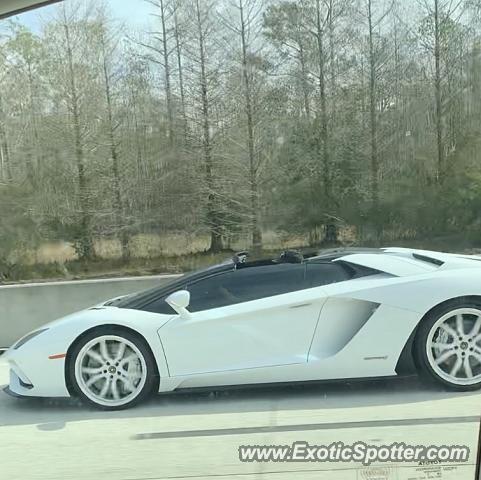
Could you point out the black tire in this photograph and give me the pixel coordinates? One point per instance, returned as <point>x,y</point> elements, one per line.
<point>425,369</point>
<point>151,379</point>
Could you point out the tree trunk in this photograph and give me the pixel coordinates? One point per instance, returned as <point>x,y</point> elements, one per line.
<point>4,147</point>
<point>437,94</point>
<point>324,128</point>
<point>178,50</point>
<point>138,147</point>
<point>36,142</point>
<point>212,211</point>
<point>254,194</point>
<point>332,60</point>
<point>333,87</point>
<point>305,83</point>
<point>373,125</point>
<point>84,240</point>
<point>119,210</point>
<point>397,97</point>
<point>168,89</point>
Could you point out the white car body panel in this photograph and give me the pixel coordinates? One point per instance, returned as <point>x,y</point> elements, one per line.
<point>423,292</point>
<point>451,258</point>
<point>359,359</point>
<point>248,335</point>
<point>398,266</point>
<point>352,329</point>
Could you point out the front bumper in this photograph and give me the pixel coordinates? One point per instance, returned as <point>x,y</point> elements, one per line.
<point>18,384</point>
<point>10,392</point>
<point>33,374</point>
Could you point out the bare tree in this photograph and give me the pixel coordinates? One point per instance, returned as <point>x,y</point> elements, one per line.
<point>5,162</point>
<point>373,114</point>
<point>374,15</point>
<point>243,123</point>
<point>202,24</point>
<point>162,50</point>
<point>437,33</point>
<point>70,50</point>
<point>180,66</point>
<point>323,113</point>
<point>285,25</point>
<point>245,26</point>
<point>107,56</point>
<point>25,56</point>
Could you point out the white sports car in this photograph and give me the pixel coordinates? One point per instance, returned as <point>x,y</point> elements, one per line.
<point>336,315</point>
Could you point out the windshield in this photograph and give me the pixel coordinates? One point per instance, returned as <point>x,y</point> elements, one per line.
<point>142,298</point>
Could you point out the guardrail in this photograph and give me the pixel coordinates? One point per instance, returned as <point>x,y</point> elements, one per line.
<point>26,307</point>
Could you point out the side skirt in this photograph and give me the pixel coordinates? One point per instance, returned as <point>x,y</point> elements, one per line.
<point>264,386</point>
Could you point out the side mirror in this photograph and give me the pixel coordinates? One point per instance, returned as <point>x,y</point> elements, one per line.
<point>179,301</point>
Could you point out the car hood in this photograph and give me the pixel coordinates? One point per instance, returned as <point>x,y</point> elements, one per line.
<point>107,315</point>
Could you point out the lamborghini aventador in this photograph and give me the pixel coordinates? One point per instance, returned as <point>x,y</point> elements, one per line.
<point>338,315</point>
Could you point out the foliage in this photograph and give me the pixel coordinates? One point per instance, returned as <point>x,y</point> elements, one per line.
<point>187,125</point>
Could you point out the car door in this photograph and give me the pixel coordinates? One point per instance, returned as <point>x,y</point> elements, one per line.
<point>249,318</point>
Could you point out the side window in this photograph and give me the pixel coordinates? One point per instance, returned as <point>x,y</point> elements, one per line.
<point>212,292</point>
<point>245,284</point>
<point>160,306</point>
<point>318,274</point>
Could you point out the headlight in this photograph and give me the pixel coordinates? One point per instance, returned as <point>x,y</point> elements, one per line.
<point>28,337</point>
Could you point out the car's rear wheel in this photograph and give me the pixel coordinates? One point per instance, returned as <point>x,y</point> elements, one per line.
<point>448,346</point>
<point>111,370</point>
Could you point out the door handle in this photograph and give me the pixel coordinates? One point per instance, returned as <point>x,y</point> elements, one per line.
<point>301,305</point>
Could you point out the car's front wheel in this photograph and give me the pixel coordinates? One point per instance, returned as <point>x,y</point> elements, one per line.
<point>448,346</point>
<point>111,370</point>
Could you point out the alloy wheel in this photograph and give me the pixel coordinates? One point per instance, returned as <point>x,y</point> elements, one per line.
<point>453,346</point>
<point>110,370</point>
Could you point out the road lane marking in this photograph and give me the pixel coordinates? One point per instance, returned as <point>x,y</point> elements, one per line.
<point>303,427</point>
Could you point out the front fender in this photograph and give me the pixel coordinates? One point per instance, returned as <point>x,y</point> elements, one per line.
<point>31,362</point>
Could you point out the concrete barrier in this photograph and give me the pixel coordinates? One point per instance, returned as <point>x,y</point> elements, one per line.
<point>28,306</point>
